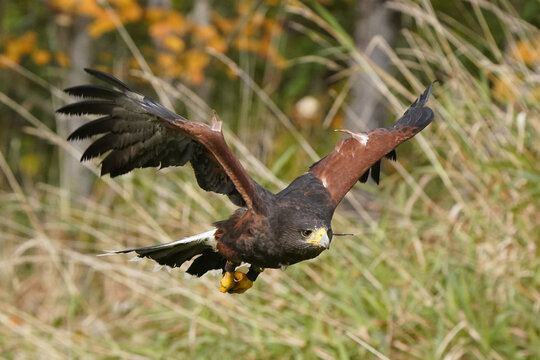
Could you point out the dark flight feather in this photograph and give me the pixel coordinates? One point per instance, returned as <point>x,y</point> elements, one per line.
<point>94,107</point>
<point>175,253</point>
<point>93,91</point>
<point>208,260</point>
<point>375,170</point>
<point>108,78</point>
<point>172,256</point>
<point>95,127</point>
<point>139,132</point>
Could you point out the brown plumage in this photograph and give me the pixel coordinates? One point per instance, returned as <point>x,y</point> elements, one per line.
<point>268,230</point>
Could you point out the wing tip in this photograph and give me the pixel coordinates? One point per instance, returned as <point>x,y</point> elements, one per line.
<point>423,98</point>
<point>107,78</point>
<point>418,116</point>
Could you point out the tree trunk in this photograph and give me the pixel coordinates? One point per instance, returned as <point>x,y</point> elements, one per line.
<point>200,15</point>
<point>373,19</point>
<point>74,177</point>
<point>367,104</point>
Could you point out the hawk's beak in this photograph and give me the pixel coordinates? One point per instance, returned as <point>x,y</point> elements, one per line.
<point>319,238</point>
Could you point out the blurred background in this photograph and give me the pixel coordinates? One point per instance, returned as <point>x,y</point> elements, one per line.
<point>444,261</point>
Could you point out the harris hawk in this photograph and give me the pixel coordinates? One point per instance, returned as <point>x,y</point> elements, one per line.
<point>267,230</point>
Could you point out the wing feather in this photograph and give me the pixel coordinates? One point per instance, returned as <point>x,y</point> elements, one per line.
<point>138,132</point>
<point>354,158</point>
<point>95,91</point>
<point>94,107</point>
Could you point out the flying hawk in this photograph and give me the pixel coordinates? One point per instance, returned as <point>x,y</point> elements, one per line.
<point>267,230</point>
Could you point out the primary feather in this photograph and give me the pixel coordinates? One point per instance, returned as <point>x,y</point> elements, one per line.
<point>138,132</point>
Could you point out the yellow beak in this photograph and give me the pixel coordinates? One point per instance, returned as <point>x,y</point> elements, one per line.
<point>319,238</point>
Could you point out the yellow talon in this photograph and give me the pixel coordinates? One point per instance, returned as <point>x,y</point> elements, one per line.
<point>242,283</point>
<point>227,282</point>
<point>236,283</point>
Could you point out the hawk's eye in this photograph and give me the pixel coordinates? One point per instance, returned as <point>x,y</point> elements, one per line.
<point>306,233</point>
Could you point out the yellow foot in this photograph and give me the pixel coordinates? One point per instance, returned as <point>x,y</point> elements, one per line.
<point>242,283</point>
<point>236,283</point>
<point>227,282</point>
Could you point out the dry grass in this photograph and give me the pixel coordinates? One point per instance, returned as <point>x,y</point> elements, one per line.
<point>449,270</point>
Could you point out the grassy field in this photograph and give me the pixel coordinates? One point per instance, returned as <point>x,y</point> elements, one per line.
<point>444,263</point>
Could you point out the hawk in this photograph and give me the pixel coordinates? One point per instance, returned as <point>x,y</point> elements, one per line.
<point>267,230</point>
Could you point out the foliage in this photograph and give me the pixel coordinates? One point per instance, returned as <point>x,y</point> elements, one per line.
<point>445,263</point>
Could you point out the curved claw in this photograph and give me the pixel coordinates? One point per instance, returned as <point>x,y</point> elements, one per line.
<point>242,283</point>
<point>236,283</point>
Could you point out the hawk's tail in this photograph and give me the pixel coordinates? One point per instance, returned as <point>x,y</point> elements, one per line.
<point>175,253</point>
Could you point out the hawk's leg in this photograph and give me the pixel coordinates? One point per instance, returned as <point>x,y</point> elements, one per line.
<point>227,282</point>
<point>237,282</point>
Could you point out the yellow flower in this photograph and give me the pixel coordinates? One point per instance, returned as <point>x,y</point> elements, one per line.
<point>62,59</point>
<point>101,25</point>
<point>165,61</point>
<point>205,32</point>
<point>155,14</point>
<point>41,57</point>
<point>174,43</point>
<point>20,46</point>
<point>196,61</point>
<point>528,51</point>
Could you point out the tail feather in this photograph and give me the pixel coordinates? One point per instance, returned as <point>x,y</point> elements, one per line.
<point>175,253</point>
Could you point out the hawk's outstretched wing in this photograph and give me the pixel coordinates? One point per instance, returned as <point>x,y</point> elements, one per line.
<point>353,157</point>
<point>138,132</point>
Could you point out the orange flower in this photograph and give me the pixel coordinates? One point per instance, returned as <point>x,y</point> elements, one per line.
<point>87,7</point>
<point>159,30</point>
<point>528,51</point>
<point>165,61</point>
<point>225,25</point>
<point>218,44</point>
<point>205,32</point>
<point>41,57</point>
<point>20,46</point>
<point>101,25</point>
<point>196,61</point>
<point>64,5</point>
<point>155,14</point>
<point>131,13</point>
<point>174,43</point>
<point>503,89</point>
<point>62,59</point>
<point>173,23</point>
<point>177,22</point>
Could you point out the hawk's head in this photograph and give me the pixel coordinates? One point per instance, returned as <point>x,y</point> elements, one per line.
<point>303,217</point>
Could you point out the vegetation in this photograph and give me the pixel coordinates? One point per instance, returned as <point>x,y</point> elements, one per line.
<point>444,262</point>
